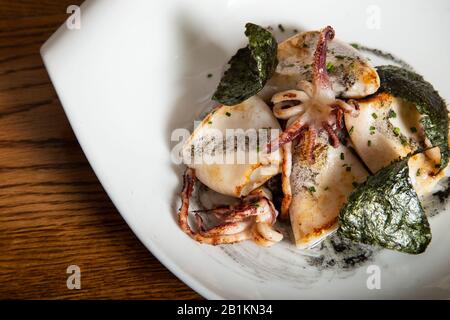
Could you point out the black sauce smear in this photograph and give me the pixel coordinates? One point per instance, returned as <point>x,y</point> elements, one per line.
<point>341,253</point>
<point>383,54</point>
<point>443,194</point>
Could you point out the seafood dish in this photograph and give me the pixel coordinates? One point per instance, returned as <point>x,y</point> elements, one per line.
<point>308,134</point>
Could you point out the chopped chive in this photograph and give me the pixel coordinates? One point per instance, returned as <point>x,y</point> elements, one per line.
<point>355,45</point>
<point>342,156</point>
<point>369,143</point>
<point>413,129</point>
<point>396,131</point>
<point>348,169</point>
<point>257,149</point>
<point>374,115</point>
<point>418,172</point>
<point>392,114</point>
<point>280,26</point>
<point>326,188</point>
<point>340,57</point>
<point>228,114</point>
<point>351,130</point>
<point>403,140</point>
<point>371,128</point>
<point>330,67</point>
<point>312,189</point>
<point>209,75</point>
<point>209,122</point>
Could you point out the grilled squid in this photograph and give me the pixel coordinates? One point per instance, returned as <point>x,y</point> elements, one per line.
<point>215,157</point>
<point>350,73</point>
<point>313,107</point>
<point>224,164</point>
<point>318,172</point>
<point>251,219</point>
<point>388,128</point>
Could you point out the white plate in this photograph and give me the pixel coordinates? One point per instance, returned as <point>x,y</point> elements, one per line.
<point>136,70</point>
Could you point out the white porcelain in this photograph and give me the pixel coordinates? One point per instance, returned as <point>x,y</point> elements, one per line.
<point>137,69</point>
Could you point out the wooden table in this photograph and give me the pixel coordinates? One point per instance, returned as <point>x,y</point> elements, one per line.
<point>53,211</point>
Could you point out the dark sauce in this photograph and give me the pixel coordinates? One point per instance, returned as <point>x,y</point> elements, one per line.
<point>384,55</point>
<point>443,194</point>
<point>340,253</point>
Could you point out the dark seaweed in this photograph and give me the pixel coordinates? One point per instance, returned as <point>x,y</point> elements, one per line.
<point>386,211</point>
<point>412,87</point>
<point>250,67</point>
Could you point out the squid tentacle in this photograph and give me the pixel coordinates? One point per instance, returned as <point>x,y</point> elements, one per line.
<point>237,224</point>
<point>321,80</point>
<point>286,169</point>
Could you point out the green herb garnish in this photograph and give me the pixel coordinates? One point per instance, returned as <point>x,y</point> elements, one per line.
<point>250,67</point>
<point>392,114</point>
<point>342,156</point>
<point>312,189</point>
<point>369,143</point>
<point>403,140</point>
<point>280,26</point>
<point>351,130</point>
<point>330,67</point>
<point>374,115</point>
<point>228,114</point>
<point>413,129</point>
<point>396,131</point>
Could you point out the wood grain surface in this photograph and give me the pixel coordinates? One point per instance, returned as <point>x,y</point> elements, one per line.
<point>53,211</point>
